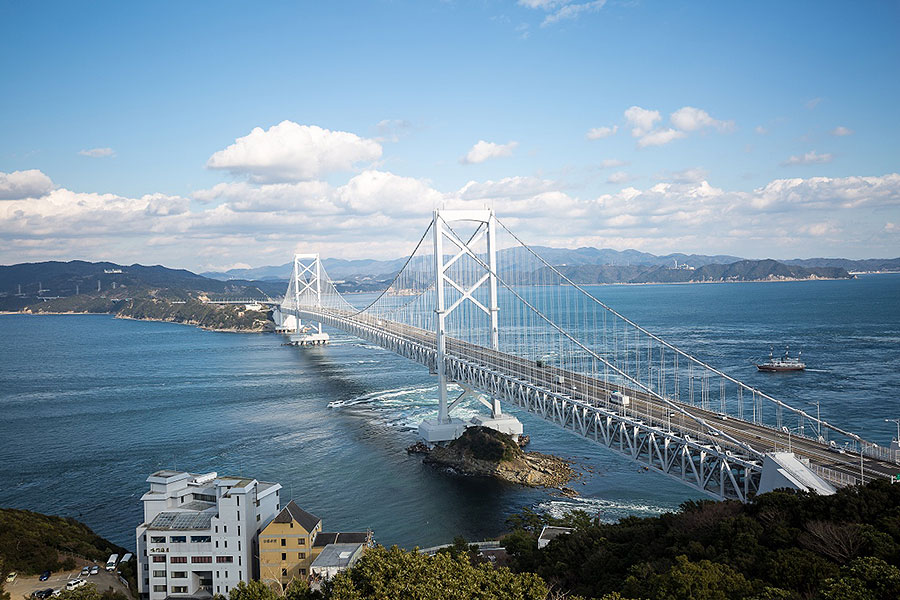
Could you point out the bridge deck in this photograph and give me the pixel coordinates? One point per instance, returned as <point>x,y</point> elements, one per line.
<point>644,407</point>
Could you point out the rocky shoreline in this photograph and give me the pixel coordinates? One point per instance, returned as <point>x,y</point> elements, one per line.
<point>482,452</point>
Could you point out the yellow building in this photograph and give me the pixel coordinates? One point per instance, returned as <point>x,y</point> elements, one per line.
<point>291,542</point>
<point>285,545</point>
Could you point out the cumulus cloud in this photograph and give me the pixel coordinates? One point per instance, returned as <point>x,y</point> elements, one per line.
<point>689,118</point>
<point>508,187</point>
<point>292,152</point>
<point>685,120</point>
<point>641,120</point>
<point>811,104</point>
<point>483,151</point>
<point>98,152</point>
<point>840,130</point>
<point>660,137</point>
<point>598,133</point>
<point>760,130</point>
<point>19,185</point>
<point>693,175</point>
<point>810,158</point>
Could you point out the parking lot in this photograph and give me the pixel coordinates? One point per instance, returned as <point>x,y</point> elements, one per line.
<point>23,586</point>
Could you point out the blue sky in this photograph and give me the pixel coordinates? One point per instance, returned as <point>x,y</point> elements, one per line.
<point>756,129</point>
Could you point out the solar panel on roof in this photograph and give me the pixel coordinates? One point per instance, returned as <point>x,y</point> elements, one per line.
<point>181,520</point>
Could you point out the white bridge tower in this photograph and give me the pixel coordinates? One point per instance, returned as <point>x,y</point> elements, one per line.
<point>306,290</point>
<point>445,427</point>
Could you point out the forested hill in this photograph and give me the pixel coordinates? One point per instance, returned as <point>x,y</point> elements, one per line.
<point>744,270</point>
<point>53,278</point>
<point>781,546</point>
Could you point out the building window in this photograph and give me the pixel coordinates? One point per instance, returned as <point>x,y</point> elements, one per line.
<point>301,541</point>
<point>284,556</point>
<point>200,539</point>
<point>159,558</point>
<point>157,539</point>
<point>179,559</point>
<point>217,543</point>
<point>201,559</point>
<point>224,559</point>
<point>159,573</point>
<point>224,528</point>
<point>239,530</point>
<point>257,517</point>
<point>284,572</point>
<point>159,588</point>
<point>239,545</point>
<point>292,524</point>
<point>179,589</point>
<point>239,515</point>
<point>218,589</point>
<point>301,555</point>
<point>179,574</point>
<point>238,500</point>
<point>177,539</point>
<point>226,543</point>
<point>217,529</point>
<point>303,571</point>
<point>283,542</point>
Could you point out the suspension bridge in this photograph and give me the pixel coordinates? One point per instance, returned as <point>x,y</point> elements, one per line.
<point>496,322</point>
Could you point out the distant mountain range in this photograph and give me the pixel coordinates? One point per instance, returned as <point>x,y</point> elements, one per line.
<point>379,269</point>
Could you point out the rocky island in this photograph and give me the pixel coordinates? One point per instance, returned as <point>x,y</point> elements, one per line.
<point>483,452</point>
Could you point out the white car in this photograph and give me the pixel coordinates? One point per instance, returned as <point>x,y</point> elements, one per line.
<point>74,584</point>
<point>85,571</point>
<point>95,569</point>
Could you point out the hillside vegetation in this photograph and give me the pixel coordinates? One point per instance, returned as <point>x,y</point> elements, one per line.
<point>782,545</point>
<point>31,542</point>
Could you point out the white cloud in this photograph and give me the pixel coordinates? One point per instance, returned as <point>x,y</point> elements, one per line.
<point>693,175</point>
<point>660,137</point>
<point>811,104</point>
<point>619,177</point>
<point>483,151</point>
<point>391,130</point>
<point>598,133</point>
<point>760,130</point>
<point>19,185</point>
<point>891,227</point>
<point>612,163</point>
<point>98,152</point>
<point>641,120</point>
<point>373,192</point>
<point>508,187</point>
<point>572,11</point>
<point>292,152</point>
<point>840,130</point>
<point>689,118</point>
<point>810,158</point>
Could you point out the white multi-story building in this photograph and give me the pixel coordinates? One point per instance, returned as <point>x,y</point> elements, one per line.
<point>200,533</point>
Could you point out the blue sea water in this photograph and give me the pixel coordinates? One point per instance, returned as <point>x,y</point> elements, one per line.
<point>91,405</point>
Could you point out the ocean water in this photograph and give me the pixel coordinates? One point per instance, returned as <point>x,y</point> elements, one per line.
<point>91,405</point>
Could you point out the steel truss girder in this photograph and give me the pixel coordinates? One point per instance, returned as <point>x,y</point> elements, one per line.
<point>704,468</point>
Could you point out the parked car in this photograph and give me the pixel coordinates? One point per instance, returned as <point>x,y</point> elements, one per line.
<point>11,577</point>
<point>75,584</point>
<point>95,569</point>
<point>56,592</point>
<point>42,594</point>
<point>44,576</point>
<point>85,571</point>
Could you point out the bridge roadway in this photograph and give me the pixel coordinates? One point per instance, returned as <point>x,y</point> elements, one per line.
<point>644,406</point>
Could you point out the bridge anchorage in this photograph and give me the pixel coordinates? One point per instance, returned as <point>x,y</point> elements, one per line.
<point>485,312</point>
